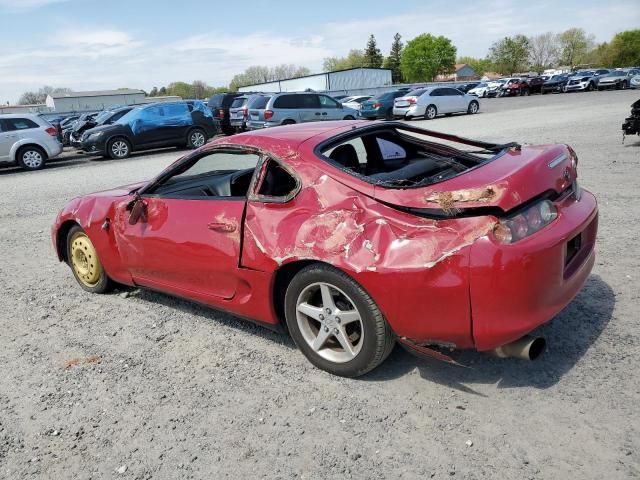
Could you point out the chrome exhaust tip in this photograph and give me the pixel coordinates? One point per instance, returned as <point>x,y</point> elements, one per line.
<point>525,348</point>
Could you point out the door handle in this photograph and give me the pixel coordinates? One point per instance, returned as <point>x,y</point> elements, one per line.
<point>222,227</point>
<point>317,113</point>
<point>324,113</point>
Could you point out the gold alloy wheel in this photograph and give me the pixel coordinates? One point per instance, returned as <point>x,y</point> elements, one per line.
<point>84,260</point>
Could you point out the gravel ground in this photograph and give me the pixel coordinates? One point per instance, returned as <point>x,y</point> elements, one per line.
<point>141,385</point>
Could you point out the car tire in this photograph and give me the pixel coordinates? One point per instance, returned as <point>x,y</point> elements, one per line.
<point>473,107</point>
<point>196,138</point>
<point>349,117</point>
<point>430,112</point>
<point>389,114</point>
<point>85,264</point>
<point>624,85</point>
<point>119,148</point>
<point>31,157</point>
<point>314,301</point>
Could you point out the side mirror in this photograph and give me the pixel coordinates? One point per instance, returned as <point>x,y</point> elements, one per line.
<point>137,210</point>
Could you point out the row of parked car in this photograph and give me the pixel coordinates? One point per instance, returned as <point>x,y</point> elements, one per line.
<point>238,112</point>
<point>29,140</point>
<point>582,80</point>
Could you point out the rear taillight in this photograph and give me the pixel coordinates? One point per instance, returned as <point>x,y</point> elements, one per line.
<point>268,114</point>
<point>221,113</point>
<point>377,105</point>
<point>245,113</point>
<point>412,100</point>
<point>533,219</point>
<point>51,131</point>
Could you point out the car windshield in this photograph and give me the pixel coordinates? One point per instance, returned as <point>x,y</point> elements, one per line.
<point>102,116</point>
<point>619,73</point>
<point>382,96</point>
<point>127,117</point>
<point>416,93</point>
<point>481,85</point>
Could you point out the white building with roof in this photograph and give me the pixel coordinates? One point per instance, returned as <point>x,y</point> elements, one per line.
<point>93,100</point>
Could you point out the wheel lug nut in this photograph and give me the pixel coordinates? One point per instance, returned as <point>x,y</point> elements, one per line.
<point>321,317</point>
<point>337,319</point>
<point>326,329</point>
<point>335,331</point>
<point>328,310</point>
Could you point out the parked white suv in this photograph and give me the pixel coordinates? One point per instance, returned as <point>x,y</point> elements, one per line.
<point>27,140</point>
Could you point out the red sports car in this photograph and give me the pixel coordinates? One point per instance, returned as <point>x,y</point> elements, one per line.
<point>353,235</point>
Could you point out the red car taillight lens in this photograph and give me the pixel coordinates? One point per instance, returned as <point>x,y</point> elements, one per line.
<point>221,113</point>
<point>377,105</point>
<point>51,131</point>
<point>412,100</point>
<point>268,114</point>
<point>245,113</point>
<point>533,219</point>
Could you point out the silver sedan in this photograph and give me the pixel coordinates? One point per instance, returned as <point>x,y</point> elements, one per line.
<point>433,101</point>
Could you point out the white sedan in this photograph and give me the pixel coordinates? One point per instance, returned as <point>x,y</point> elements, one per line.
<point>355,102</point>
<point>432,101</point>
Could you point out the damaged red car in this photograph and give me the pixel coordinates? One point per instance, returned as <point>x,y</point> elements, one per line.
<point>351,236</point>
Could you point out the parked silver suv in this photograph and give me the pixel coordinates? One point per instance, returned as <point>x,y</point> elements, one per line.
<point>289,108</point>
<point>27,140</point>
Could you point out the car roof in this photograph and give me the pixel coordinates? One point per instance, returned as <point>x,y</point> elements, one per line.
<point>19,115</point>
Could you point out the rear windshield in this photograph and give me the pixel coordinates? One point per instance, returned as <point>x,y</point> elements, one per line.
<point>396,157</point>
<point>258,102</point>
<point>416,93</point>
<point>239,102</point>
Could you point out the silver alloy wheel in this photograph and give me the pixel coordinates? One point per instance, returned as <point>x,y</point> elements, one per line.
<point>120,148</point>
<point>431,112</point>
<point>329,322</point>
<point>473,108</point>
<point>197,139</point>
<point>32,158</point>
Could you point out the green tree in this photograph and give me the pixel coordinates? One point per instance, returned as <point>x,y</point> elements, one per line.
<point>625,49</point>
<point>162,92</point>
<point>479,65</point>
<point>372,56</point>
<point>426,56</point>
<point>510,55</point>
<point>153,92</point>
<point>354,59</point>
<point>392,62</point>
<point>29,98</point>
<point>181,89</point>
<point>575,46</point>
<point>262,74</point>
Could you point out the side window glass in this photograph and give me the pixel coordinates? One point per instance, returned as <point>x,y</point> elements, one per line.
<point>285,101</point>
<point>214,175</point>
<point>309,101</point>
<point>2,126</point>
<point>436,93</point>
<point>276,182</point>
<point>326,102</point>
<point>20,124</point>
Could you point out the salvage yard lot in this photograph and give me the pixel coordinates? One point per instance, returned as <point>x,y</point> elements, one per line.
<point>141,385</point>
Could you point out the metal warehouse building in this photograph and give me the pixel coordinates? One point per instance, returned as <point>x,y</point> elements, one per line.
<point>351,79</point>
<point>95,100</point>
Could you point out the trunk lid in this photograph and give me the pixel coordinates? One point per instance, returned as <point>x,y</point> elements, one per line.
<point>507,181</point>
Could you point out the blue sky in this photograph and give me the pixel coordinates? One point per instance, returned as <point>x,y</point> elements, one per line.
<point>92,44</point>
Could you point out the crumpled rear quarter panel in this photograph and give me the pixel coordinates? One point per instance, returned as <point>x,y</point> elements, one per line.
<point>416,269</point>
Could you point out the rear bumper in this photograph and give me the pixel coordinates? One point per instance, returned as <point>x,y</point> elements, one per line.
<point>516,288</point>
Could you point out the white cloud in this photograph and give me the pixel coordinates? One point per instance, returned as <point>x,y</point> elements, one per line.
<point>102,57</point>
<point>21,5</point>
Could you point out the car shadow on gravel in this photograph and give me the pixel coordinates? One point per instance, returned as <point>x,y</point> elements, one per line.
<point>214,316</point>
<point>569,335</point>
